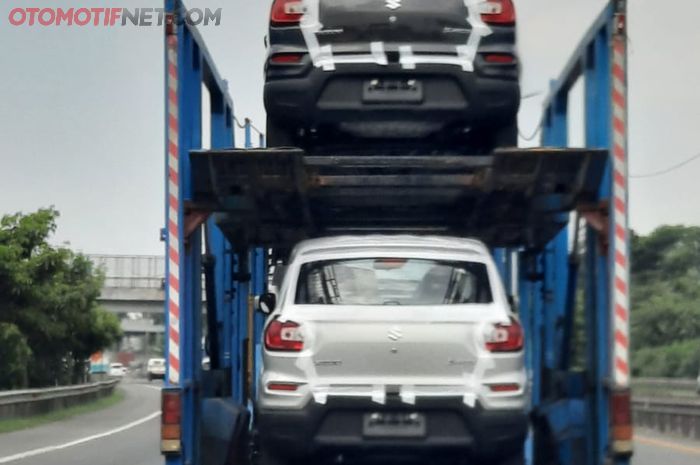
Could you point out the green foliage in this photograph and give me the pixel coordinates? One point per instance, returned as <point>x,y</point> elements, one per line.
<point>680,359</point>
<point>15,356</point>
<point>50,295</point>
<point>665,293</point>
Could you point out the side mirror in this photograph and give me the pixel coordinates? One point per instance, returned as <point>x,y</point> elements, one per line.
<point>267,302</point>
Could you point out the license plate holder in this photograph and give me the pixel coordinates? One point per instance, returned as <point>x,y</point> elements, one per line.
<point>394,425</point>
<point>392,91</point>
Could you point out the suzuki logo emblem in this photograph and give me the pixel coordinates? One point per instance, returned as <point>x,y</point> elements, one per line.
<point>395,334</point>
<point>393,4</point>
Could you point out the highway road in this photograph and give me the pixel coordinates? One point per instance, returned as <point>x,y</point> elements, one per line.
<point>127,434</point>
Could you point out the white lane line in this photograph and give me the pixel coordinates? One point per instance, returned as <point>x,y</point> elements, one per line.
<point>44,450</point>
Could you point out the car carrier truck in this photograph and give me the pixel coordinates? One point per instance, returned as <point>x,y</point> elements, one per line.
<point>554,218</point>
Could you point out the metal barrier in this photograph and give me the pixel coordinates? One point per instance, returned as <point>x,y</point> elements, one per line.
<point>665,387</point>
<point>23,403</point>
<point>673,415</point>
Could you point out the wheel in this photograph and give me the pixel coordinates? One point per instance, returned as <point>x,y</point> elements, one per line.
<point>278,136</point>
<point>515,459</point>
<point>264,456</point>
<point>150,378</point>
<point>507,135</point>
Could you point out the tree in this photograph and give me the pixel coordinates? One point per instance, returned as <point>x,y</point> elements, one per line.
<point>49,294</point>
<point>665,302</point>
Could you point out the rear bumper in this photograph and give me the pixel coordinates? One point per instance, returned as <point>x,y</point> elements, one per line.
<point>302,96</point>
<point>337,427</point>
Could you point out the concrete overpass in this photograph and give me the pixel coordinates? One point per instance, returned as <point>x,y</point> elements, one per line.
<point>134,290</point>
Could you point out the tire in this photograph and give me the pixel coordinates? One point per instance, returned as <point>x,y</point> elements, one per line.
<point>515,459</point>
<point>506,136</point>
<point>264,456</point>
<point>150,378</point>
<point>279,136</point>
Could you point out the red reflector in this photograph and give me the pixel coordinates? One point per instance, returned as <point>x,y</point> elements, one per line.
<point>499,58</point>
<point>500,12</point>
<point>621,415</point>
<point>286,12</point>
<point>505,338</point>
<point>171,405</point>
<point>170,408</point>
<point>504,387</point>
<point>282,386</point>
<point>286,58</point>
<point>283,336</point>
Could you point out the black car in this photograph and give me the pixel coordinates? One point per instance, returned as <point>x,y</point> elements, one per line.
<point>443,71</point>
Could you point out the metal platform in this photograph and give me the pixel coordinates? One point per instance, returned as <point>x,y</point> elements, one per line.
<point>275,197</point>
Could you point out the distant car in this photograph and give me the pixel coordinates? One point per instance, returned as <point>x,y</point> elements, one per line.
<point>117,370</point>
<point>391,343</point>
<point>396,71</point>
<point>155,369</point>
<point>698,386</point>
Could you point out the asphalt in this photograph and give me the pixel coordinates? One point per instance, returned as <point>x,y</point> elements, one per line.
<point>124,434</point>
<point>127,434</point>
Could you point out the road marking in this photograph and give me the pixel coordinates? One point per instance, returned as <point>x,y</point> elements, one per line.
<point>664,444</point>
<point>44,450</point>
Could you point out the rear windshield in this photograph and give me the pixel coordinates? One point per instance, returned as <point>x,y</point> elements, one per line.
<point>392,281</point>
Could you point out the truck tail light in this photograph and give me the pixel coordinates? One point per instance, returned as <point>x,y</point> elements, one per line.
<point>621,418</point>
<point>505,338</point>
<point>501,12</point>
<point>284,336</point>
<point>171,411</point>
<point>286,12</point>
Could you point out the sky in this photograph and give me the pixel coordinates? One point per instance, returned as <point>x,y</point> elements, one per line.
<point>82,109</point>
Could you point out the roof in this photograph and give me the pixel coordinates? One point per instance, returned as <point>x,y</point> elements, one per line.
<point>321,245</point>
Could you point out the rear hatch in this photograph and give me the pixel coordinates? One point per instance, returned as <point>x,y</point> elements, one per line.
<point>394,345</point>
<point>402,22</point>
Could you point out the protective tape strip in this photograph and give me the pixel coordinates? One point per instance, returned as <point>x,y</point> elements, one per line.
<point>322,55</point>
<point>471,388</point>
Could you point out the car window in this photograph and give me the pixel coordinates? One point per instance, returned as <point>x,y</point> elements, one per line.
<point>392,281</point>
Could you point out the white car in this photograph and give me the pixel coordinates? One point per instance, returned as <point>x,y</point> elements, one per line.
<point>117,370</point>
<point>391,343</point>
<point>155,368</point>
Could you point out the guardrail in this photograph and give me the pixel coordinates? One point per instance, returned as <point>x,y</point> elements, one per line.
<point>23,403</point>
<point>675,416</point>
<point>667,405</point>
<point>664,387</point>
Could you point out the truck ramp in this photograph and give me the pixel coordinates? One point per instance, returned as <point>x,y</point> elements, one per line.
<point>276,197</point>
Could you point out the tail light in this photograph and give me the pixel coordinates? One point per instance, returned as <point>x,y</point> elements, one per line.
<point>171,411</point>
<point>286,58</point>
<point>499,58</point>
<point>284,336</point>
<point>621,419</point>
<point>289,387</point>
<point>286,12</point>
<point>498,12</point>
<point>505,338</point>
<point>507,387</point>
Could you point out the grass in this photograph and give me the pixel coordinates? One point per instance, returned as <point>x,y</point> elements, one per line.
<point>16,424</point>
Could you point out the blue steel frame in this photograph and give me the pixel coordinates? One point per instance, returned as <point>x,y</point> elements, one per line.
<point>233,303</point>
<point>575,413</point>
<point>573,406</point>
